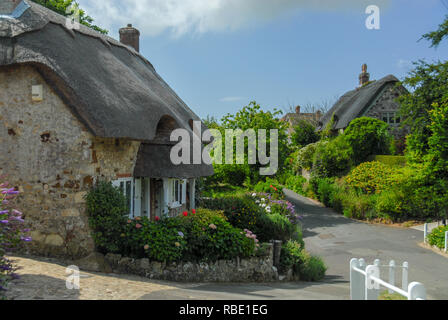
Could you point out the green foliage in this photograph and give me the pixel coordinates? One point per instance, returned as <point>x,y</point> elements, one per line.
<point>429,84</point>
<point>251,117</point>
<point>304,134</point>
<point>437,237</point>
<point>159,241</point>
<point>391,205</point>
<point>210,237</point>
<point>305,156</point>
<point>296,184</point>
<point>275,226</point>
<point>107,210</point>
<point>271,186</point>
<point>333,158</point>
<point>63,8</point>
<point>368,136</point>
<point>372,177</point>
<point>305,266</point>
<point>436,37</point>
<point>328,132</point>
<point>391,160</point>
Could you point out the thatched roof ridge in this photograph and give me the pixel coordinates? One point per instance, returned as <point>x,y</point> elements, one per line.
<point>353,103</point>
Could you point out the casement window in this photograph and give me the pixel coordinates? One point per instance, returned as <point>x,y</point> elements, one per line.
<point>177,194</point>
<point>390,117</point>
<point>137,192</point>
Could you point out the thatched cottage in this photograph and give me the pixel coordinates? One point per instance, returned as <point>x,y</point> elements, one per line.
<point>77,106</point>
<point>375,99</point>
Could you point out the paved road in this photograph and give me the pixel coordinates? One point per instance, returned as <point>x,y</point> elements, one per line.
<point>338,239</point>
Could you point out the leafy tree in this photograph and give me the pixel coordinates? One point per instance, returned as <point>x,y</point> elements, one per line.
<point>67,8</point>
<point>437,36</point>
<point>368,136</point>
<point>429,83</point>
<point>332,158</point>
<point>304,134</point>
<point>250,117</point>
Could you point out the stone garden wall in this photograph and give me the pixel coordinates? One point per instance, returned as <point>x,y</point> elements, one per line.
<point>256,269</point>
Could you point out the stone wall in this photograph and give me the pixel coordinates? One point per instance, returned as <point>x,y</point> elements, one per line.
<point>257,269</point>
<point>53,160</point>
<point>386,103</point>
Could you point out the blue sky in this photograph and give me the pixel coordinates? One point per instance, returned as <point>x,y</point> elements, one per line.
<point>219,55</point>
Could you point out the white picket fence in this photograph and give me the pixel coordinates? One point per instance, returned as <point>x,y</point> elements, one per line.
<point>366,282</point>
<point>425,237</point>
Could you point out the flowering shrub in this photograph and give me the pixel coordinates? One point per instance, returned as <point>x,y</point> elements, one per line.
<point>371,177</point>
<point>241,211</point>
<point>272,187</point>
<point>12,234</point>
<point>282,207</point>
<point>202,235</point>
<point>437,237</point>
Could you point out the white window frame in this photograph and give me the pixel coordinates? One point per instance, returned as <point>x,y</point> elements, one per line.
<point>177,200</point>
<point>135,206</point>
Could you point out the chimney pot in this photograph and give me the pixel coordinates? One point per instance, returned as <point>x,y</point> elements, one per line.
<point>130,36</point>
<point>298,109</point>
<point>364,77</point>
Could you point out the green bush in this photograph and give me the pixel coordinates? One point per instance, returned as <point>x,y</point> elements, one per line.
<point>203,236</point>
<point>437,237</point>
<point>296,184</point>
<point>159,241</point>
<point>107,210</point>
<point>304,134</point>
<point>326,189</point>
<point>391,160</point>
<point>270,186</point>
<point>241,211</point>
<point>391,205</point>
<point>210,237</point>
<point>305,266</point>
<point>359,207</point>
<point>305,156</point>
<point>333,158</point>
<point>372,177</point>
<point>368,136</point>
<point>275,226</point>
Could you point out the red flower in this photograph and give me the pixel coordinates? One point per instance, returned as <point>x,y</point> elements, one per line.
<point>194,211</point>
<point>272,186</point>
<point>157,218</point>
<point>185,213</point>
<point>138,226</point>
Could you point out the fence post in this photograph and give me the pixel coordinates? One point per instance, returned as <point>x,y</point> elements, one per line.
<point>446,241</point>
<point>371,287</point>
<point>355,281</point>
<point>416,291</point>
<point>404,279</point>
<point>392,274</point>
<point>425,233</point>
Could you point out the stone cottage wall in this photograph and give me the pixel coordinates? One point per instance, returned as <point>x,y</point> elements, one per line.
<point>386,103</point>
<point>53,160</point>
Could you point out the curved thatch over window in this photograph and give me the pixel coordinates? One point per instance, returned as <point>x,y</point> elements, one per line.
<point>164,128</point>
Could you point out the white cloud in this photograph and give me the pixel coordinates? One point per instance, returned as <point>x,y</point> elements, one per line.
<point>180,17</point>
<point>404,64</point>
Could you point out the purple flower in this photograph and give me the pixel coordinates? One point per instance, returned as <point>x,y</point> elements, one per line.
<point>4,221</point>
<point>26,239</point>
<point>4,212</point>
<point>180,233</point>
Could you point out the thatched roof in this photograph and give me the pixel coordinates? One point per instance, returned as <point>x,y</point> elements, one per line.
<point>354,103</point>
<point>153,161</point>
<point>109,86</point>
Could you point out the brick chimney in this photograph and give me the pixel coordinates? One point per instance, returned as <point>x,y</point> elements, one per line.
<point>298,109</point>
<point>364,77</point>
<point>7,6</point>
<point>130,36</point>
